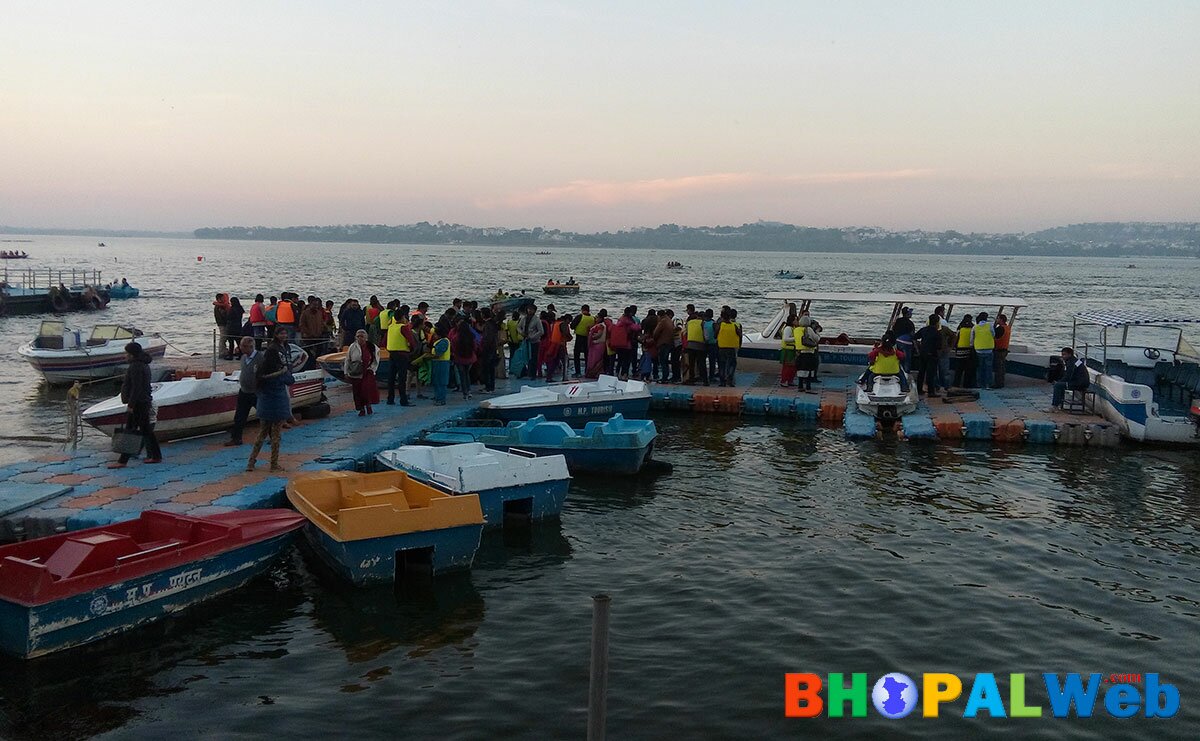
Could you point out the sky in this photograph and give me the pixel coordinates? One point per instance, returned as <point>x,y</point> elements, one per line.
<point>976,116</point>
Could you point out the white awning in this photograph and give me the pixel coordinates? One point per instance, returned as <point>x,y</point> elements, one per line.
<point>1127,317</point>
<point>907,299</point>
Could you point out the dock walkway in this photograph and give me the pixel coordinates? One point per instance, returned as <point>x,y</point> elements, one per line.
<point>200,476</point>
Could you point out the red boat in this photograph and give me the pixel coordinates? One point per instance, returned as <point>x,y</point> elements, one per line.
<point>74,588</point>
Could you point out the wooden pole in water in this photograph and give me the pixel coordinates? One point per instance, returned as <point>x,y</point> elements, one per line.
<point>598,688</point>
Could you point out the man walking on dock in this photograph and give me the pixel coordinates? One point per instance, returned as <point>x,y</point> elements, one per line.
<point>136,393</point>
<point>247,389</point>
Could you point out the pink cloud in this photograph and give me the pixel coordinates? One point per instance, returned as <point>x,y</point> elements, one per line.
<point>660,190</point>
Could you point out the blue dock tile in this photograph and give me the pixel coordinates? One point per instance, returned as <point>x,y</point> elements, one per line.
<point>977,426</point>
<point>97,516</point>
<point>757,403</point>
<point>1039,431</point>
<point>918,427</point>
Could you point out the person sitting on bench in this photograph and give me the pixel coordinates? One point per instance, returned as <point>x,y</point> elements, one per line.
<point>1075,377</point>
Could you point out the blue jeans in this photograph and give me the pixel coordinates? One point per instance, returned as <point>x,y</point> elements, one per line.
<point>711,349</point>
<point>907,361</point>
<point>943,371</point>
<point>1060,392</point>
<point>464,378</point>
<point>983,369</point>
<point>867,379</point>
<point>439,376</point>
<point>727,362</point>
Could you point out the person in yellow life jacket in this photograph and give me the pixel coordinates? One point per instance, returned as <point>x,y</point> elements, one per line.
<point>1002,332</point>
<point>697,351</point>
<point>581,325</point>
<point>983,341</point>
<point>964,354</point>
<point>400,342</point>
<point>885,360</point>
<point>729,339</point>
<point>439,368</point>
<point>787,353</point>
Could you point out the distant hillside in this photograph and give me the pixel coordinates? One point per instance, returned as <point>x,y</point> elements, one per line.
<point>93,232</point>
<point>1138,239</point>
<point>1124,233</point>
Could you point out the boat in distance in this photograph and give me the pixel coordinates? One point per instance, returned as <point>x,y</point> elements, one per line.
<point>510,485</point>
<point>74,588</point>
<point>573,402</point>
<point>383,527</point>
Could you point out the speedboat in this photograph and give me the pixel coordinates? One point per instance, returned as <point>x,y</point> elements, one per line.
<point>1145,374</point>
<point>561,289</point>
<point>788,275</point>
<point>63,356</point>
<point>846,354</point>
<point>618,446</point>
<point>198,406</point>
<point>379,527</point>
<point>885,400</point>
<point>509,485</point>
<point>573,402</point>
<point>70,589</point>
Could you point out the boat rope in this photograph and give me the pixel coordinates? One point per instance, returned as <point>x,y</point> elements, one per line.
<point>177,348</point>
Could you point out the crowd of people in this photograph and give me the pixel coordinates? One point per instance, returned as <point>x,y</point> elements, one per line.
<point>978,349</point>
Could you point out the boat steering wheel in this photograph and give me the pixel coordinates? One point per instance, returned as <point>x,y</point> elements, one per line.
<point>1151,353</point>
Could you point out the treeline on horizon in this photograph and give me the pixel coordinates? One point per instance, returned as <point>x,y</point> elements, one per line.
<point>1093,239</point>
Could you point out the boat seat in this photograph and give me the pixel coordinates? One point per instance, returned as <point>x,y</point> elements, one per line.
<point>1079,401</point>
<point>89,553</point>
<point>49,343</point>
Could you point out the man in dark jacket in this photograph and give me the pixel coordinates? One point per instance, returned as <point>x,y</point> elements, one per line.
<point>489,348</point>
<point>1075,377</point>
<point>135,392</point>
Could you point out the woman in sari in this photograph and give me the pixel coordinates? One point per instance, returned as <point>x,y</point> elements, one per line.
<point>597,345</point>
<point>359,366</point>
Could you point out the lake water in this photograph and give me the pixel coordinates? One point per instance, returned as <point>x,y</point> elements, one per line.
<point>771,548</point>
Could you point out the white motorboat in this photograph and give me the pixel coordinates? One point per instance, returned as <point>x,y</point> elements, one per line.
<point>508,484</point>
<point>573,402</point>
<point>845,354</point>
<point>886,401</point>
<point>198,406</point>
<point>63,356</point>
<point>1145,375</point>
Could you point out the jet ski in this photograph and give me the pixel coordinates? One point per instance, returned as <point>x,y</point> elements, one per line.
<point>885,400</point>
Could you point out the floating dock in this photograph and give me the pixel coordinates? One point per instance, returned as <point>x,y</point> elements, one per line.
<point>200,476</point>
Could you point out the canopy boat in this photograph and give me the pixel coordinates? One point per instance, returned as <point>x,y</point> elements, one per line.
<point>618,446</point>
<point>509,485</point>
<point>561,289</point>
<point>331,364</point>
<point>1144,373</point>
<point>845,354</point>
<point>62,355</point>
<point>73,588</point>
<point>573,402</point>
<point>379,527</point>
<point>198,406</point>
<point>788,275</point>
<point>122,290</point>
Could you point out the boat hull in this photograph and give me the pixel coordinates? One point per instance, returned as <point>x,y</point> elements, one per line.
<point>847,359</point>
<point>619,461</point>
<point>61,368</point>
<point>208,414</point>
<point>374,560</point>
<point>1131,407</point>
<point>561,290</point>
<point>30,631</point>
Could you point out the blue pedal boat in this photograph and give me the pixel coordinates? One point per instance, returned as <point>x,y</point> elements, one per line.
<point>618,446</point>
<point>510,486</point>
<point>574,403</point>
<point>70,589</point>
<point>382,527</point>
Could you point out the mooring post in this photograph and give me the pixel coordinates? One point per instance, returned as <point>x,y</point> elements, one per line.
<point>598,689</point>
